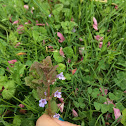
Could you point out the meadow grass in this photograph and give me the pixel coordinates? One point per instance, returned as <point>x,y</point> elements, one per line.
<point>100,68</point>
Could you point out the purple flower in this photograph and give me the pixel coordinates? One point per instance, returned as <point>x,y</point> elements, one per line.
<point>49,15</point>
<point>56,116</point>
<point>45,93</point>
<point>57,94</point>
<point>61,76</point>
<point>42,102</point>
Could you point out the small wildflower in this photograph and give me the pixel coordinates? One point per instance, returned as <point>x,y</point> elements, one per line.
<point>98,38</point>
<point>61,100</point>
<point>39,24</point>
<point>20,29</point>
<point>61,106</point>
<point>45,93</point>
<point>26,7</point>
<point>21,105</point>
<point>17,44</point>
<point>61,76</point>
<point>12,61</point>
<point>74,30</point>
<point>56,116</point>
<point>81,50</point>
<point>57,94</point>
<point>109,102</point>
<point>108,44</point>
<point>80,39</point>
<point>100,44</point>
<point>42,102</point>
<point>49,15</point>
<point>16,22</point>
<point>69,60</point>
<point>75,114</point>
<point>95,25</point>
<point>104,90</point>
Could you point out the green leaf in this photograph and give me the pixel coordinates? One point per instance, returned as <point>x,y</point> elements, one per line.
<point>112,96</point>
<point>54,106</point>
<point>9,90</point>
<point>120,106</point>
<point>68,76</point>
<point>82,105</point>
<point>76,104</point>
<point>120,80</point>
<point>2,71</point>
<point>95,93</point>
<point>97,106</point>
<point>123,120</point>
<point>80,100</point>
<point>68,52</point>
<point>58,57</point>
<point>17,120</point>
<point>104,108</point>
<point>61,67</point>
<point>89,90</point>
<point>35,94</point>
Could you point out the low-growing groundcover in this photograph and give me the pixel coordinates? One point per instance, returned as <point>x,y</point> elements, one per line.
<point>69,54</point>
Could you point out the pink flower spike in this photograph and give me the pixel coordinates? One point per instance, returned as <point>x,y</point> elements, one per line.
<point>98,37</point>
<point>75,114</point>
<point>26,7</point>
<point>12,61</point>
<point>117,113</point>
<point>39,24</point>
<point>81,39</point>
<point>61,37</point>
<point>100,44</point>
<point>124,91</point>
<point>50,47</point>
<point>95,27</point>
<point>61,106</point>
<point>95,21</point>
<point>32,11</point>
<point>21,105</point>
<point>16,22</point>
<point>108,44</point>
<point>61,52</point>
<point>20,29</point>
<point>61,100</point>
<point>109,102</point>
<point>69,60</point>
<point>104,90</point>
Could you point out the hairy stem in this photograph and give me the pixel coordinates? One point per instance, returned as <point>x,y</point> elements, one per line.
<point>49,104</point>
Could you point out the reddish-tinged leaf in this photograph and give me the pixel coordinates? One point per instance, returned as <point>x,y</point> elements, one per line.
<point>73,71</point>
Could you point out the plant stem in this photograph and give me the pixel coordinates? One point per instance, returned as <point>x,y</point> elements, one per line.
<point>49,104</point>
